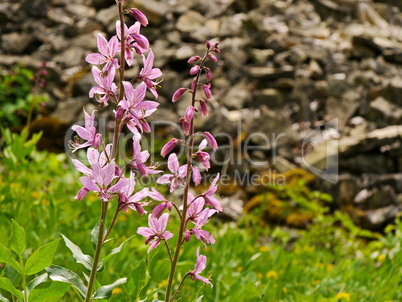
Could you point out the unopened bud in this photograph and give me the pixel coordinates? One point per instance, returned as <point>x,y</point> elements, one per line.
<point>139,16</point>
<point>207,90</point>
<point>97,141</point>
<point>178,94</point>
<point>169,146</point>
<point>204,108</point>
<point>194,69</point>
<point>194,59</point>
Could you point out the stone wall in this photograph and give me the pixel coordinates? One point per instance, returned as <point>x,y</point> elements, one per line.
<point>287,67</point>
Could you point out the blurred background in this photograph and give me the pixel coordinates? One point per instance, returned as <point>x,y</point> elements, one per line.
<point>286,68</point>
<point>307,108</point>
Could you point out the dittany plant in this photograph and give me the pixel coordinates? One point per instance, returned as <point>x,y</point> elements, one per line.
<point>114,182</point>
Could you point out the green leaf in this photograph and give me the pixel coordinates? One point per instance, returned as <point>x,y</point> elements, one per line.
<point>118,298</point>
<point>137,279</point>
<point>41,258</point>
<point>105,292</point>
<point>8,286</point>
<point>95,234</point>
<point>48,290</point>
<point>6,257</point>
<point>58,273</point>
<point>12,275</point>
<point>18,239</point>
<point>3,299</point>
<point>113,252</point>
<point>35,282</point>
<point>78,255</point>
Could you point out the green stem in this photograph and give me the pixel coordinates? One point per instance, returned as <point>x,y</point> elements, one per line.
<point>180,240</point>
<point>24,280</point>
<point>98,251</point>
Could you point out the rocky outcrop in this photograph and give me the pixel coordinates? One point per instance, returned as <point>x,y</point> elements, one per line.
<point>298,72</point>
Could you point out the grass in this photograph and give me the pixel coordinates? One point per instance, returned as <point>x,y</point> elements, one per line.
<point>332,260</point>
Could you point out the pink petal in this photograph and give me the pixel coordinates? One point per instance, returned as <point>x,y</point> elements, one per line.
<point>102,45</point>
<point>95,58</point>
<point>173,163</point>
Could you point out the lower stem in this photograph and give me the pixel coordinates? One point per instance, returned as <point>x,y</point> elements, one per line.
<point>98,250</point>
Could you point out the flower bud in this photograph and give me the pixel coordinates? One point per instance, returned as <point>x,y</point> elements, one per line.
<point>213,57</point>
<point>203,107</point>
<point>189,114</point>
<point>97,141</point>
<point>208,74</point>
<point>208,45</point>
<point>178,94</point>
<point>141,40</point>
<point>119,113</point>
<point>194,59</point>
<point>194,69</point>
<point>139,16</point>
<point>207,90</point>
<point>211,140</point>
<point>169,146</point>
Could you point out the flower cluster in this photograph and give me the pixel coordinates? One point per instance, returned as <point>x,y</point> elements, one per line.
<point>108,180</point>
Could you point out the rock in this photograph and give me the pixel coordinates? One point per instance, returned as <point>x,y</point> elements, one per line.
<point>236,97</point>
<point>68,110</point>
<point>15,43</point>
<point>375,219</point>
<point>156,11</point>
<point>71,57</point>
<point>190,21</point>
<point>270,97</point>
<point>384,113</point>
<point>79,11</point>
<point>35,8</point>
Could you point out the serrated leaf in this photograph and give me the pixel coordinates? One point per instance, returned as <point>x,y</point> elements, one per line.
<point>18,239</point>
<point>35,282</point>
<point>8,286</point>
<point>48,290</point>
<point>113,252</point>
<point>137,279</point>
<point>78,255</point>
<point>41,258</point>
<point>105,292</point>
<point>58,273</point>
<point>6,257</point>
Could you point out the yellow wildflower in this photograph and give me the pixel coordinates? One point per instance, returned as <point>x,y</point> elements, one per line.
<point>272,275</point>
<point>285,290</point>
<point>343,295</point>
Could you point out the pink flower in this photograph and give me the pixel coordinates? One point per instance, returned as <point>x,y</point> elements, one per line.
<point>209,198</point>
<point>134,41</point>
<point>139,159</point>
<point>202,156</point>
<point>129,200</point>
<point>178,173</point>
<point>107,52</point>
<point>199,267</point>
<point>106,88</point>
<point>147,73</point>
<point>166,204</point>
<point>136,107</point>
<point>196,175</point>
<point>156,231</point>
<point>87,133</point>
<point>100,182</point>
